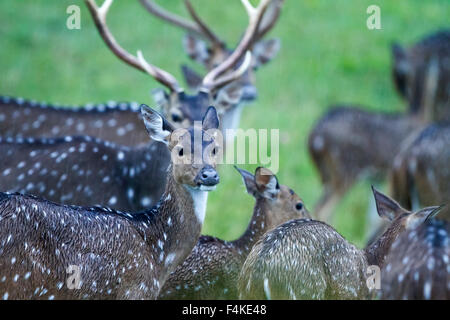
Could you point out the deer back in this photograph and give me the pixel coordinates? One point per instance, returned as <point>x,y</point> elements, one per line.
<point>120,123</point>
<point>349,141</point>
<point>85,171</point>
<point>303,259</point>
<point>417,265</point>
<point>108,254</point>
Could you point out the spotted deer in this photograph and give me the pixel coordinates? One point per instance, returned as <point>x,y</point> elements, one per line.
<point>421,171</point>
<point>120,122</point>
<point>349,143</point>
<point>120,255</point>
<point>417,266</point>
<point>84,168</point>
<point>204,46</point>
<point>308,259</point>
<point>211,270</point>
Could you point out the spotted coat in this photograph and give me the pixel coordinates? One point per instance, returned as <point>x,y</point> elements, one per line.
<point>120,255</point>
<point>418,265</point>
<point>85,171</point>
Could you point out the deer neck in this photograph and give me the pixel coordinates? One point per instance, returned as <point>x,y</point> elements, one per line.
<point>146,157</point>
<point>174,225</point>
<point>376,252</point>
<point>257,226</point>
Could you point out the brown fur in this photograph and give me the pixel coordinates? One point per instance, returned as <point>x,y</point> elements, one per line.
<point>421,173</point>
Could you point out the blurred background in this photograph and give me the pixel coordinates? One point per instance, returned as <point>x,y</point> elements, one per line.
<point>328,56</point>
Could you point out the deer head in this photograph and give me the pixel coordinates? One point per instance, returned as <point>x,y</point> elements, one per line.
<point>281,202</point>
<point>176,104</point>
<point>195,169</point>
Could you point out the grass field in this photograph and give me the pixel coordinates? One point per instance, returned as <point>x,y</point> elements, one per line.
<point>328,56</point>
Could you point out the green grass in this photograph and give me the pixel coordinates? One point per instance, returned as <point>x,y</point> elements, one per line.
<point>328,56</point>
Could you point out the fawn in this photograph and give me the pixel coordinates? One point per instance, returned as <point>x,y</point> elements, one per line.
<point>417,266</point>
<point>120,255</point>
<point>421,171</point>
<point>212,268</point>
<point>348,143</point>
<point>308,259</point>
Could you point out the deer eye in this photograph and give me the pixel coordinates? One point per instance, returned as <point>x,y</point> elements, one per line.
<point>214,151</point>
<point>176,117</point>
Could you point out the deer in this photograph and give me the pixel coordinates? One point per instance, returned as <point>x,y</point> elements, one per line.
<point>205,47</point>
<point>309,259</point>
<point>417,266</point>
<point>84,167</point>
<point>41,119</point>
<point>119,255</point>
<point>421,172</point>
<point>349,143</point>
<point>211,270</point>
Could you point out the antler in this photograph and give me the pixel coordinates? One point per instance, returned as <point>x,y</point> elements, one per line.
<point>99,15</point>
<point>198,27</point>
<point>270,19</point>
<point>208,33</point>
<point>255,16</point>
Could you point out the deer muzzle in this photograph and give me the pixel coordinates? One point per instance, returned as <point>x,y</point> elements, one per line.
<point>207,177</point>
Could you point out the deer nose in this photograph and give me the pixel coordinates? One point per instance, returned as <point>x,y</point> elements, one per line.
<point>208,177</point>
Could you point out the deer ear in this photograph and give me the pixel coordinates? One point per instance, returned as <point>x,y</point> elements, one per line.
<point>266,183</point>
<point>386,207</point>
<point>264,51</point>
<point>192,78</point>
<point>210,120</point>
<point>158,128</point>
<point>249,181</point>
<point>417,218</point>
<point>196,48</point>
<point>229,96</point>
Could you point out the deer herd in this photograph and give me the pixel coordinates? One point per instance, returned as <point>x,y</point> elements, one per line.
<point>120,191</point>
